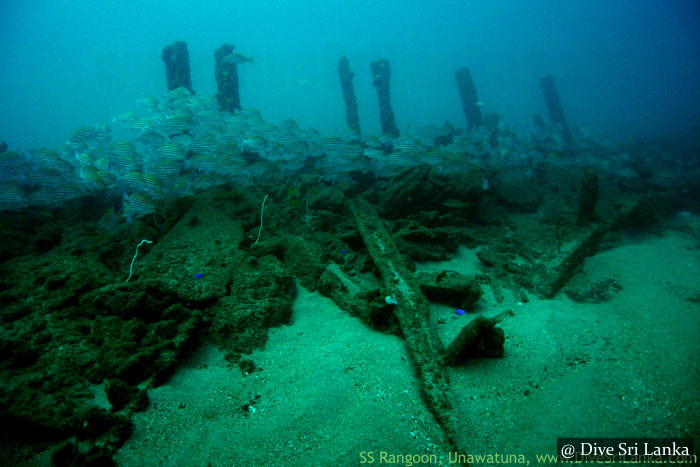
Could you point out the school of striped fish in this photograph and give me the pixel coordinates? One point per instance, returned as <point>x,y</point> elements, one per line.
<point>182,144</point>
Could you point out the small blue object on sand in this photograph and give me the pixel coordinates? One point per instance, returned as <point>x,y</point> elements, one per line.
<point>460,311</point>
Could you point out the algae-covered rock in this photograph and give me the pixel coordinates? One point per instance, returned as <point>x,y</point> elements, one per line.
<point>427,244</point>
<point>262,296</point>
<point>599,291</point>
<point>196,258</point>
<point>520,195</point>
<point>451,288</point>
<point>480,338</point>
<point>424,188</point>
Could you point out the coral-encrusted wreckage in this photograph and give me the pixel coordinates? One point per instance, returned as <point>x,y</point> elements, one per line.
<point>240,210</point>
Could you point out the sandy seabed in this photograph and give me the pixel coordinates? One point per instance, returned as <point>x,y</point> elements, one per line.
<point>330,391</point>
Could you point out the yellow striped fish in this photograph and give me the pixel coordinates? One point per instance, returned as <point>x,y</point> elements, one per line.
<point>171,151</point>
<point>137,205</point>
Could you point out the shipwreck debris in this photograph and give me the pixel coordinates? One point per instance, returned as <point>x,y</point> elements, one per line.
<point>380,78</point>
<point>588,198</point>
<point>556,112</point>
<point>346,75</point>
<point>467,92</point>
<point>412,313</point>
<point>177,66</point>
<point>226,73</point>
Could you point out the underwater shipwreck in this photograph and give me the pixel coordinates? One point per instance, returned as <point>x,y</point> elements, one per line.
<point>193,221</point>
